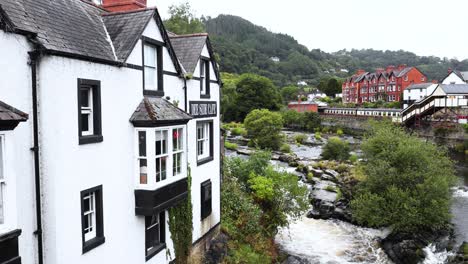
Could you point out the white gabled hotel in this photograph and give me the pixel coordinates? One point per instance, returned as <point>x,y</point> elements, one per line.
<point>100,125</point>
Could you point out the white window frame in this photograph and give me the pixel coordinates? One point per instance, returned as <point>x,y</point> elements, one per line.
<point>177,150</point>
<point>91,215</point>
<point>88,111</point>
<point>150,64</point>
<point>151,158</point>
<point>202,77</point>
<point>142,171</point>
<point>163,156</point>
<point>203,141</point>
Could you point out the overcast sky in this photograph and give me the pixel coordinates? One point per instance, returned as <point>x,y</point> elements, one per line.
<point>430,27</point>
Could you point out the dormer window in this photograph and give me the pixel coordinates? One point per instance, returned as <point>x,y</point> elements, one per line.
<point>153,68</point>
<point>205,78</point>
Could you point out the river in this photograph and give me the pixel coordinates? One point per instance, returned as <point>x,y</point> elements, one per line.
<point>337,242</point>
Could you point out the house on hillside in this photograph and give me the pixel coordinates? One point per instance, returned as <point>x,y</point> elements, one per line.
<point>104,118</point>
<point>455,77</point>
<point>417,92</point>
<point>383,84</point>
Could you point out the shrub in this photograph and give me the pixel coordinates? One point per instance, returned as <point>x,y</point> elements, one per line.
<point>465,127</point>
<point>244,253</point>
<point>460,148</point>
<point>293,118</point>
<point>300,138</point>
<point>310,177</point>
<point>330,188</point>
<point>318,135</point>
<point>326,130</point>
<point>353,158</point>
<point>238,131</point>
<point>231,146</point>
<point>285,148</point>
<point>264,128</point>
<point>339,132</point>
<point>341,168</point>
<point>407,182</point>
<point>312,120</point>
<point>336,149</point>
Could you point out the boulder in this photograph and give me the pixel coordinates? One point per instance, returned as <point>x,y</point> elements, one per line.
<point>332,173</point>
<point>218,250</point>
<point>245,151</point>
<point>316,172</point>
<point>295,260</point>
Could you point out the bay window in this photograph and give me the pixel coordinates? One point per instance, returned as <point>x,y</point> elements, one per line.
<point>161,154</point>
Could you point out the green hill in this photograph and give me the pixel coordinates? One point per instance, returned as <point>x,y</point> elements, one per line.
<point>247,48</point>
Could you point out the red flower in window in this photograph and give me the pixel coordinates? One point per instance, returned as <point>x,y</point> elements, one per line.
<point>176,134</point>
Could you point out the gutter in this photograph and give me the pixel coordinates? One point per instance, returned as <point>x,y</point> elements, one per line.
<point>34,61</point>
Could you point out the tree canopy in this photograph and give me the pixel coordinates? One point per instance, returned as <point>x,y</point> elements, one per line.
<point>183,21</point>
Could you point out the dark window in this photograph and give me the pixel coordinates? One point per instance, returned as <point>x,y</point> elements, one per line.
<point>204,141</point>
<point>153,67</point>
<point>89,111</point>
<point>205,78</point>
<point>92,225</point>
<point>205,199</point>
<point>155,234</point>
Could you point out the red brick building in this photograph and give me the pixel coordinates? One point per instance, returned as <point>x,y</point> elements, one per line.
<point>303,106</point>
<point>383,84</point>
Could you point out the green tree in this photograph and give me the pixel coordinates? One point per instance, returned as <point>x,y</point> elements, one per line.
<point>292,118</point>
<point>407,182</point>
<point>183,21</point>
<point>256,92</point>
<point>229,97</point>
<point>336,149</point>
<point>264,128</point>
<point>311,120</point>
<point>289,93</point>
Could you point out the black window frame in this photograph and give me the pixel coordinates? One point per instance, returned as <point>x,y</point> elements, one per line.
<point>100,238</point>
<point>211,143</point>
<point>162,235</point>
<point>159,64</point>
<point>206,205</point>
<point>96,137</point>
<point>206,62</point>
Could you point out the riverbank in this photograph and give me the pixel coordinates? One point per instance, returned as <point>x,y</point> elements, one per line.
<point>328,204</point>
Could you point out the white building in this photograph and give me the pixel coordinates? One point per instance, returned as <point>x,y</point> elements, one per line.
<point>417,92</point>
<point>456,77</point>
<point>99,131</point>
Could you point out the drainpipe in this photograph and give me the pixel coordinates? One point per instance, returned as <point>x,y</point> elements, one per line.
<point>34,61</point>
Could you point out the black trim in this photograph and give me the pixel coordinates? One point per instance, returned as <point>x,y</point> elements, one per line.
<point>99,211</point>
<point>97,117</point>
<point>9,250</point>
<point>213,81</point>
<point>133,66</point>
<point>159,65</point>
<point>160,123</point>
<point>149,202</point>
<point>8,125</point>
<point>171,73</point>
<point>35,60</point>
<point>205,96</point>
<point>207,110</point>
<point>206,205</point>
<point>162,235</point>
<point>210,157</point>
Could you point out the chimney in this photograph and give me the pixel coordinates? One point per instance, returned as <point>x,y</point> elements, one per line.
<point>390,68</point>
<point>123,5</point>
<point>402,66</point>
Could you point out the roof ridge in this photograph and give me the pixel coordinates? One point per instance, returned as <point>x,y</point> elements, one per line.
<point>190,35</point>
<point>91,3</point>
<point>129,11</point>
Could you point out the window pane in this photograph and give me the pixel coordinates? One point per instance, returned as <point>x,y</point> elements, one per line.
<point>87,204</point>
<point>161,142</point>
<point>163,168</point>
<point>150,56</point>
<point>84,122</point>
<point>158,170</point>
<point>150,78</point>
<point>84,94</point>
<point>177,139</point>
<point>142,143</point>
<point>143,171</point>
<point>2,216</point>
<point>1,160</point>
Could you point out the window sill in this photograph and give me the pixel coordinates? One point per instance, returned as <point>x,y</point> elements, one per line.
<point>91,139</point>
<point>158,93</point>
<point>93,243</point>
<point>204,161</point>
<point>205,96</point>
<point>203,217</point>
<point>155,251</point>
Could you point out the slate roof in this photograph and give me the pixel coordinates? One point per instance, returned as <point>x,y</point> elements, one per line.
<point>455,88</point>
<point>125,29</point>
<point>70,26</point>
<point>9,113</point>
<point>188,49</point>
<point>419,86</point>
<point>154,111</point>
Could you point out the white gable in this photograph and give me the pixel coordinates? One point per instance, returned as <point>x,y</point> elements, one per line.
<point>152,31</point>
<point>205,52</point>
<point>453,79</point>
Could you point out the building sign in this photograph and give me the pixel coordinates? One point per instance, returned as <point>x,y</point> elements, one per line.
<point>200,109</point>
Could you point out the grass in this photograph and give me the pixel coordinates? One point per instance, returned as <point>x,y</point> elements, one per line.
<point>285,148</point>
<point>331,189</point>
<point>465,249</point>
<point>231,146</point>
<point>318,135</point>
<point>300,138</point>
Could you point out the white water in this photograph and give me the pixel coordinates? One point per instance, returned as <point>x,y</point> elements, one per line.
<point>332,241</point>
<point>433,257</point>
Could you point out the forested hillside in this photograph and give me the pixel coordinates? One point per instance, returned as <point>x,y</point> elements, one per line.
<point>247,48</point>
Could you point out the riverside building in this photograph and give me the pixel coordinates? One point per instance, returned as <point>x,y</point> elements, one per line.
<point>100,129</point>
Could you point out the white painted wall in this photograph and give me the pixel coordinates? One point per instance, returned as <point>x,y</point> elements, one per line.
<point>15,90</point>
<point>453,78</point>
<point>418,94</point>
